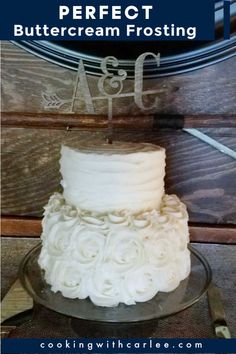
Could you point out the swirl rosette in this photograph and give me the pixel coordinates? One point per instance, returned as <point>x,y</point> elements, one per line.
<point>172,206</point>
<point>114,257</point>
<point>125,250</point>
<point>140,285</point>
<point>45,261</point>
<point>177,239</point>
<point>183,264</point>
<point>170,200</point>
<point>66,277</point>
<point>168,277</point>
<point>48,222</point>
<point>55,203</point>
<point>161,221</point>
<point>58,240</point>
<point>88,246</point>
<point>104,287</point>
<point>160,250</point>
<point>55,211</point>
<point>177,214</point>
<point>52,213</point>
<point>160,224</point>
<point>68,212</point>
<point>93,221</point>
<point>142,221</point>
<point>118,219</point>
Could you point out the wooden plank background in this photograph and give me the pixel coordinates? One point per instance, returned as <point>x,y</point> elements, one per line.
<point>150,122</point>
<point>25,77</point>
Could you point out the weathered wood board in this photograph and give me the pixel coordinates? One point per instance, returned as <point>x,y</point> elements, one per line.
<point>204,178</point>
<point>13,252</point>
<point>149,122</point>
<point>15,301</point>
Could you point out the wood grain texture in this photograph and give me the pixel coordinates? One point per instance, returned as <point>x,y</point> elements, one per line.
<point>142,122</point>
<point>201,176</point>
<point>20,226</point>
<point>15,301</point>
<point>25,77</point>
<point>12,253</point>
<point>213,234</point>
<point>31,227</point>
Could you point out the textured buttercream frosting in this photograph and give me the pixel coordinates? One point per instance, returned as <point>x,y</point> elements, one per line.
<point>120,240</point>
<point>110,177</point>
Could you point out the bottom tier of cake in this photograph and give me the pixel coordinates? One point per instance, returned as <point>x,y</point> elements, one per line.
<point>114,258</point>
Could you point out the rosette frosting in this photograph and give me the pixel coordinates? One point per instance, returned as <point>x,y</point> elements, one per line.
<point>114,257</point>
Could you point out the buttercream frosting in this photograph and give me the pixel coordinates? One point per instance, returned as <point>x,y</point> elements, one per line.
<point>115,257</point>
<point>113,235</point>
<point>113,177</point>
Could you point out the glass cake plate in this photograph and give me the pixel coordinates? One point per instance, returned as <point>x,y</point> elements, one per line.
<point>189,292</point>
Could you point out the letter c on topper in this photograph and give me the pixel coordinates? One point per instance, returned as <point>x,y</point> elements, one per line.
<point>138,82</point>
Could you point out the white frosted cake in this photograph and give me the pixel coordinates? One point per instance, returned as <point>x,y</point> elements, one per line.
<point>114,235</point>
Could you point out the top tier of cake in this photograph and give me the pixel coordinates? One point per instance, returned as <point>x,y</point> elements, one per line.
<point>105,177</point>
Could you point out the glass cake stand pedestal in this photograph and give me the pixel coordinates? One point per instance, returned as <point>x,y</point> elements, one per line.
<point>140,320</point>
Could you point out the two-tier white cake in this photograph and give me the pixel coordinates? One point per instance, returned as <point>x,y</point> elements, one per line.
<point>114,236</point>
